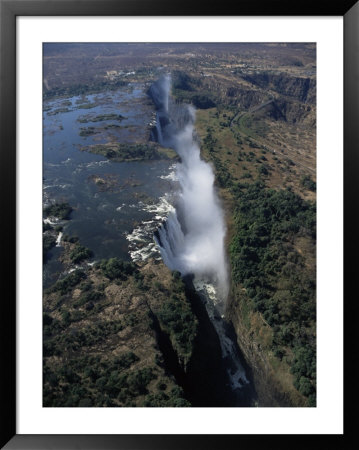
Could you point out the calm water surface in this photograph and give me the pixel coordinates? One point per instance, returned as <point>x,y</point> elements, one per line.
<point>118,218</point>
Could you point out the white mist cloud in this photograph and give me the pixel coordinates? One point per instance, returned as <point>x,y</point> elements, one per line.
<point>193,239</point>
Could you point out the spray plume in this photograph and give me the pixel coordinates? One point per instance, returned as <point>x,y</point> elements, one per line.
<point>192,239</point>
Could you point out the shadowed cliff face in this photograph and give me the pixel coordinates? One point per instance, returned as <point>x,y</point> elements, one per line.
<point>204,378</point>
<point>284,110</point>
<point>209,384</point>
<point>302,89</point>
<point>269,392</point>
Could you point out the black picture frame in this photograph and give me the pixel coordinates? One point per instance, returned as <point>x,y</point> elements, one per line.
<point>9,10</point>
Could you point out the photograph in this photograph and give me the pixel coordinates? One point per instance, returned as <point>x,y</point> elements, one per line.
<point>179,224</point>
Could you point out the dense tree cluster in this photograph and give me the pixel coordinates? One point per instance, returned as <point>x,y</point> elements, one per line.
<point>203,100</point>
<point>65,284</point>
<point>59,210</point>
<point>308,183</point>
<point>177,319</point>
<point>185,89</point>
<point>96,381</point>
<point>79,369</point>
<point>181,80</point>
<point>100,118</point>
<point>79,253</point>
<point>127,152</point>
<point>274,274</point>
<point>114,268</point>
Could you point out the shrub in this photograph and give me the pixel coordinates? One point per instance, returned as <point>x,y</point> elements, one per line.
<point>59,210</point>
<point>308,183</point>
<point>126,360</point>
<point>85,403</point>
<point>66,317</point>
<point>179,321</point>
<point>114,268</point>
<point>65,284</point>
<point>88,297</point>
<point>80,253</point>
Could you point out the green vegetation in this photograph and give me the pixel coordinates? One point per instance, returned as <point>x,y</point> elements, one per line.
<point>65,284</point>
<point>181,80</point>
<point>87,378</point>
<point>203,100</point>
<point>307,182</point>
<point>224,179</point>
<point>177,319</point>
<point>58,111</point>
<point>131,152</point>
<point>252,126</point>
<point>59,210</point>
<point>88,299</point>
<point>96,381</point>
<point>88,336</point>
<point>81,89</point>
<point>87,105</point>
<point>71,239</point>
<point>114,268</point>
<point>304,369</point>
<point>277,281</point>
<point>185,89</point>
<point>88,131</point>
<point>100,118</point>
<point>86,361</point>
<point>80,253</point>
<point>172,399</point>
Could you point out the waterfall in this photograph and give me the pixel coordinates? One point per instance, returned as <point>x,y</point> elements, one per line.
<point>159,130</point>
<point>192,238</point>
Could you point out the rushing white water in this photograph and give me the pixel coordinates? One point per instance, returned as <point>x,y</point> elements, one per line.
<point>192,239</point>
<point>141,247</point>
<point>158,129</point>
<point>58,239</point>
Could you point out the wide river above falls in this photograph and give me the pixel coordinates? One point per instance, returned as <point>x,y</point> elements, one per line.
<point>117,205</point>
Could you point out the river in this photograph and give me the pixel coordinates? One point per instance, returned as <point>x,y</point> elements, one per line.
<point>117,218</point>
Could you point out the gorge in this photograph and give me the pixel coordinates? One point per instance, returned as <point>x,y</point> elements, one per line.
<point>191,240</point>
